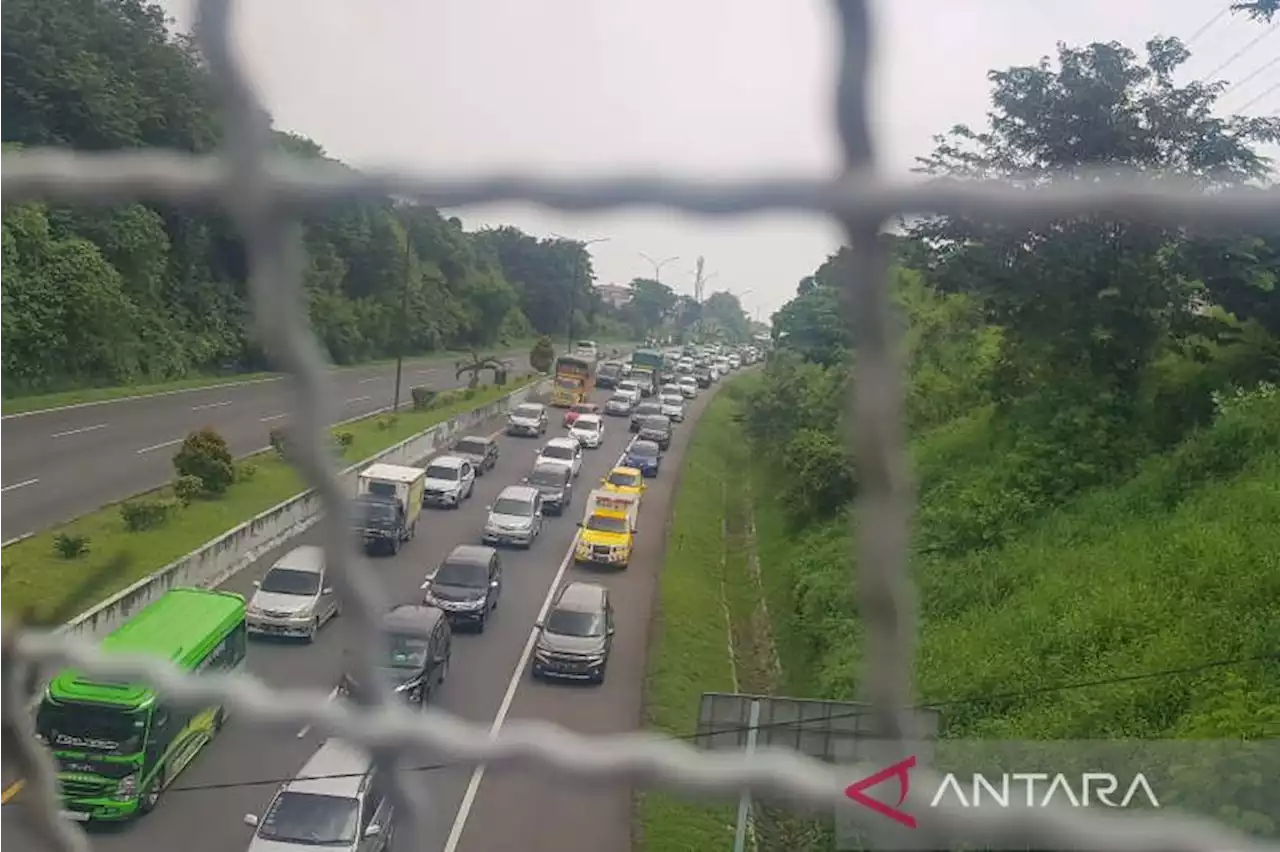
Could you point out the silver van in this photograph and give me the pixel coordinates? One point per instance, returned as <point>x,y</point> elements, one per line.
<point>337,801</point>
<point>293,600</point>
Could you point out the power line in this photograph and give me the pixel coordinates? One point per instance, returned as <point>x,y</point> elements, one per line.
<point>1209,23</point>
<point>1254,73</point>
<point>1241,52</point>
<point>263,782</point>
<point>1258,97</point>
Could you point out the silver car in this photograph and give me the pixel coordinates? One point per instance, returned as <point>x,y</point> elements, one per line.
<point>450,480</point>
<point>673,405</point>
<point>619,405</point>
<point>293,600</point>
<point>338,801</point>
<point>515,517</point>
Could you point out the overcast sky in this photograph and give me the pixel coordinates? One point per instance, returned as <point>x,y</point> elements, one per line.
<point>692,87</point>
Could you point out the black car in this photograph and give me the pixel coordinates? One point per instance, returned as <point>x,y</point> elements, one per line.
<point>555,483</point>
<point>420,646</point>
<point>379,523</point>
<point>575,638</point>
<point>656,428</point>
<point>482,452</point>
<point>466,585</point>
<point>608,376</point>
<point>643,410</point>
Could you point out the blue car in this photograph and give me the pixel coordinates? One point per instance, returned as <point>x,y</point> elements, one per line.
<point>645,457</point>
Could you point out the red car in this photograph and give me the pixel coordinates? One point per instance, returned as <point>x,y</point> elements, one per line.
<point>581,408</point>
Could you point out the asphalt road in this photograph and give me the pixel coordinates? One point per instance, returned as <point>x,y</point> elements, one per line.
<point>527,809</point>
<point>60,464</point>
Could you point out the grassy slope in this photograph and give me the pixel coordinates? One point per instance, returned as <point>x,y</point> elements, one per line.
<point>33,575</point>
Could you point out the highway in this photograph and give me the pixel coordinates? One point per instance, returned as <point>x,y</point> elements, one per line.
<point>62,463</point>
<point>488,683</point>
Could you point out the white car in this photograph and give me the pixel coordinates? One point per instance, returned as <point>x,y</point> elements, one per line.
<point>688,387</point>
<point>631,388</point>
<point>670,388</point>
<point>293,600</point>
<point>450,480</point>
<point>588,430</point>
<point>735,361</point>
<point>721,366</point>
<point>673,405</point>
<point>619,405</point>
<point>685,365</point>
<point>566,452</point>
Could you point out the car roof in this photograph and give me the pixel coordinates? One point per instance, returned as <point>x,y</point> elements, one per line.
<point>580,596</point>
<point>548,467</point>
<point>449,461</point>
<point>589,418</point>
<point>562,442</point>
<point>518,492</point>
<point>652,418</point>
<point>476,554</point>
<point>645,444</point>
<point>336,769</point>
<point>411,618</point>
<point>623,468</point>
<point>536,405</point>
<point>483,439</point>
<point>306,557</point>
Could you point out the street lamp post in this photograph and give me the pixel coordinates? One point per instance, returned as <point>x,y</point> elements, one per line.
<point>404,322</point>
<point>573,284</point>
<point>658,264</point>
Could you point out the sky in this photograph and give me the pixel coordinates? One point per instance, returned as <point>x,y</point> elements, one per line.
<point>691,88</point>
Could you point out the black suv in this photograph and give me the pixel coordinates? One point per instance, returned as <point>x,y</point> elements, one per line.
<point>555,483</point>
<point>420,645</point>
<point>656,428</point>
<point>575,638</point>
<point>643,410</point>
<point>482,452</point>
<point>467,585</point>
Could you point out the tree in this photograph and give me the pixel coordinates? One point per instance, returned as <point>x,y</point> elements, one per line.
<point>651,303</point>
<point>722,312</point>
<point>476,365</point>
<point>812,323</point>
<point>1258,10</point>
<point>542,355</point>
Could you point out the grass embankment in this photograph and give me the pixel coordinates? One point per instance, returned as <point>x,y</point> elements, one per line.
<point>34,578</point>
<point>710,634</point>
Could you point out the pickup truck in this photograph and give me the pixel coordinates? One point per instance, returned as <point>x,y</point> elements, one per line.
<point>608,529</point>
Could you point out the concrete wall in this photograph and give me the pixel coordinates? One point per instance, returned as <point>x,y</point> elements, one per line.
<point>236,549</point>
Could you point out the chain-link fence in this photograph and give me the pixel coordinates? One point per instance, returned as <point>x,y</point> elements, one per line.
<point>265,196</point>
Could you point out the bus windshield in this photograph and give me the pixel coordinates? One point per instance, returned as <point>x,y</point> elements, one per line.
<point>87,727</point>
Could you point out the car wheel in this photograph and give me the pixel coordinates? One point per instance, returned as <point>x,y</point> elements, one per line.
<point>315,628</point>
<point>482,623</point>
<point>444,671</point>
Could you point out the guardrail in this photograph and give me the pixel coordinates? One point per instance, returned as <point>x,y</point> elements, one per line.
<point>214,562</point>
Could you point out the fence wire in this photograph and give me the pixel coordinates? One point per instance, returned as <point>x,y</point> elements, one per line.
<point>266,194</point>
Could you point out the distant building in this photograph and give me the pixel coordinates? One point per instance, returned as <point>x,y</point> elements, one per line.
<point>614,295</point>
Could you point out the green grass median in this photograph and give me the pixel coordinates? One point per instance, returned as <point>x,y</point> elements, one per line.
<point>36,579</point>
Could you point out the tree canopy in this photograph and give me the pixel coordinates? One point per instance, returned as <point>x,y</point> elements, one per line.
<point>148,292</point>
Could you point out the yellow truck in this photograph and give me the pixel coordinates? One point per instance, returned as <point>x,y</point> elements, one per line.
<point>608,529</point>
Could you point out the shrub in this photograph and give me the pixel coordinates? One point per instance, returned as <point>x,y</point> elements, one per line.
<point>246,471</point>
<point>187,489</point>
<point>422,398</point>
<point>141,515</point>
<point>385,424</point>
<point>542,355</point>
<point>70,546</point>
<point>343,440</point>
<point>469,393</point>
<point>205,455</point>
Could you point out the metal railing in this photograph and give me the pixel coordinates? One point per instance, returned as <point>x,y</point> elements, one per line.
<point>265,195</point>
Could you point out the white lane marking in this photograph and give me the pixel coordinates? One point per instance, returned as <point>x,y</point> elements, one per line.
<point>160,446</point>
<point>17,538</point>
<point>19,485</point>
<point>306,729</point>
<point>357,399</point>
<point>78,431</point>
<point>210,405</point>
<point>137,397</point>
<point>473,788</point>
<point>370,379</point>
<point>272,417</point>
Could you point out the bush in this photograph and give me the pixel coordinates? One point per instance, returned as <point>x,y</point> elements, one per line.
<point>205,455</point>
<point>139,515</point>
<point>343,440</point>
<point>187,489</point>
<point>70,546</point>
<point>422,398</point>
<point>386,424</point>
<point>542,355</point>
<point>469,393</point>
<point>246,471</point>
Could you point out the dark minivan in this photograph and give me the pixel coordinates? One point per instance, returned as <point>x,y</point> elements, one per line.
<point>656,428</point>
<point>420,644</point>
<point>643,410</point>
<point>575,638</point>
<point>466,585</point>
<point>482,452</point>
<point>555,483</point>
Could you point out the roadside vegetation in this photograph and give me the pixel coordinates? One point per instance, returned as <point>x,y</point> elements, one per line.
<point>1094,427</point>
<point>57,574</point>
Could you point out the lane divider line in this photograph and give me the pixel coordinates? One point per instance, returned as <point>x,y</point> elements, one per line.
<point>79,431</point>
<point>12,790</point>
<point>210,405</point>
<point>306,729</point>
<point>17,485</point>
<point>356,399</point>
<point>272,417</point>
<point>161,446</point>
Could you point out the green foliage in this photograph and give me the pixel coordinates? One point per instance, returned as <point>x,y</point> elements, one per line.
<point>70,545</point>
<point>187,489</point>
<point>145,513</point>
<point>246,471</point>
<point>342,441</point>
<point>205,455</point>
<point>422,398</point>
<point>543,354</point>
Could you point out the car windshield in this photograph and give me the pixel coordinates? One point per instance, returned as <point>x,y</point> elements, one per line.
<point>407,651</point>
<point>624,479</point>
<point>440,471</point>
<point>83,727</point>
<point>290,581</point>
<point>557,452</point>
<point>607,523</point>
<point>568,622</point>
<point>547,476</point>
<point>586,425</point>
<point>526,411</point>
<point>583,409</point>
<point>377,510</point>
<point>648,408</point>
<point>472,448</point>
<point>673,399</point>
<point>658,423</point>
<point>620,400</point>
<point>465,574</point>
<point>644,449</point>
<point>628,386</point>
<point>512,506</point>
<point>312,819</point>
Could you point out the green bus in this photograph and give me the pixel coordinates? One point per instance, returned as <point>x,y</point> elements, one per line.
<point>119,744</point>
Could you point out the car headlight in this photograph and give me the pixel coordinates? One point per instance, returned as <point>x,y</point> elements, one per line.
<point>127,787</point>
<point>405,687</point>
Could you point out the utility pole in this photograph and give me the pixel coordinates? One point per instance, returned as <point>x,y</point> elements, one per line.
<point>573,284</point>
<point>404,322</point>
<point>658,264</point>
